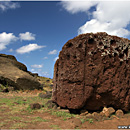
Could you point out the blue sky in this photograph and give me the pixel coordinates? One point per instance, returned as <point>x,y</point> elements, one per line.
<point>35,32</point>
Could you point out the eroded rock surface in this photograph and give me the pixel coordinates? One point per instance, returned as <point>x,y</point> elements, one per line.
<point>14,74</point>
<point>92,72</point>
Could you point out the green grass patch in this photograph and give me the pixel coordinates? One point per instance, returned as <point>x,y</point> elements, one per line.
<point>54,126</point>
<point>64,119</point>
<point>19,100</point>
<point>2,124</point>
<point>30,100</point>
<point>15,118</point>
<point>27,121</point>
<point>63,114</point>
<point>7,101</point>
<point>83,120</point>
<point>18,125</point>
<point>2,110</point>
<point>86,119</point>
<point>2,87</point>
<point>40,119</point>
<point>29,110</point>
<point>90,120</point>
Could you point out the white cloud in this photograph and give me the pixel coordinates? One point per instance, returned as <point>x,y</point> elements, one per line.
<point>45,58</point>
<point>78,6</point>
<point>5,5</point>
<point>6,39</point>
<point>110,16</point>
<point>40,72</point>
<point>11,50</point>
<point>53,52</point>
<point>36,66</point>
<point>45,74</point>
<point>56,58</point>
<point>27,36</point>
<point>28,48</point>
<point>33,70</point>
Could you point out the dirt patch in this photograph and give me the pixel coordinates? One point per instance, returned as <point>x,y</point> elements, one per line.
<point>15,113</point>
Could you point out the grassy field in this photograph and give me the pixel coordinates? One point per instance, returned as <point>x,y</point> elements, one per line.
<point>16,113</point>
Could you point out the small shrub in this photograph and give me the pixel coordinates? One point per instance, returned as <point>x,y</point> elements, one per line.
<point>64,119</point>
<point>90,120</point>
<point>7,86</point>
<point>2,86</point>
<point>83,120</point>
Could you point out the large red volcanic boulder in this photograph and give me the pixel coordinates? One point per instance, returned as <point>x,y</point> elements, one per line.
<point>92,72</point>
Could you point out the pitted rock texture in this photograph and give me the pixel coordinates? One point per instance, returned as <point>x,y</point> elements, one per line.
<point>92,72</point>
<point>14,74</point>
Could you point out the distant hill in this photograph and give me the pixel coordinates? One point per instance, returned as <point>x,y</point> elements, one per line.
<point>46,83</point>
<point>14,74</point>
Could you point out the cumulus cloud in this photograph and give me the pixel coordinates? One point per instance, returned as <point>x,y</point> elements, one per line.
<point>112,17</point>
<point>53,52</point>
<point>5,5</point>
<point>6,39</point>
<point>78,6</point>
<point>27,36</point>
<point>36,66</point>
<point>40,72</point>
<point>28,48</point>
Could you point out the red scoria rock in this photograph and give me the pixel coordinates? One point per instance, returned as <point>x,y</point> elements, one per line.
<point>93,71</point>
